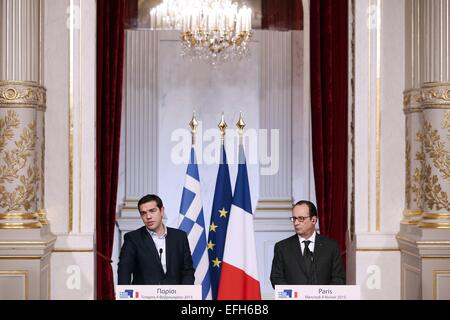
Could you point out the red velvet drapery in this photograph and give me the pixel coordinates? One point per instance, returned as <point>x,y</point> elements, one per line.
<point>110,53</point>
<point>282,15</point>
<point>329,89</point>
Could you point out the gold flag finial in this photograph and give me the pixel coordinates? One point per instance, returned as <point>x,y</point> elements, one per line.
<point>240,124</point>
<point>222,127</point>
<point>193,124</point>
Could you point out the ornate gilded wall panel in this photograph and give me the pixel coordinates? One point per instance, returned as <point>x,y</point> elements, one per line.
<point>22,105</point>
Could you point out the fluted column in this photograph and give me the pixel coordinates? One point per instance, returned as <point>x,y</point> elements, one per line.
<point>275,190</point>
<point>20,170</point>
<point>20,30</point>
<point>434,138</point>
<point>140,98</point>
<point>427,109</point>
<point>425,229</point>
<point>22,107</point>
<point>25,239</point>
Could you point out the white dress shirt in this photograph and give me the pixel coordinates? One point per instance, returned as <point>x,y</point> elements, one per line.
<point>160,243</point>
<point>311,245</point>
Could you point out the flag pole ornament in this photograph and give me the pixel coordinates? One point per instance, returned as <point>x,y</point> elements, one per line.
<point>193,124</point>
<point>241,125</point>
<point>222,127</point>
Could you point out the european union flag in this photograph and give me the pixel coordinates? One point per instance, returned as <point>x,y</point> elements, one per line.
<point>219,221</point>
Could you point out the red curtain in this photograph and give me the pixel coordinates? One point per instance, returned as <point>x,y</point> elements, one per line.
<point>131,14</point>
<point>110,52</point>
<point>329,81</point>
<point>282,14</point>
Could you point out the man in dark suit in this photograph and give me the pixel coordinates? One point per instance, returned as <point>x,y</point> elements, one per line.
<point>306,257</point>
<point>155,254</point>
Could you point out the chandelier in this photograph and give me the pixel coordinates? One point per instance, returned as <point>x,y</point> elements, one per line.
<point>211,30</point>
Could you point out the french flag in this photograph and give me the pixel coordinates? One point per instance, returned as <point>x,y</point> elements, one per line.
<point>239,275</point>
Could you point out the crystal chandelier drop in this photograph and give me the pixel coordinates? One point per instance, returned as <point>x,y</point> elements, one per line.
<point>211,30</point>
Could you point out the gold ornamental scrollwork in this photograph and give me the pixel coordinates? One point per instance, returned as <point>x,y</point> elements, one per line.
<point>426,186</point>
<point>434,196</point>
<point>410,185</point>
<point>22,94</point>
<point>446,123</point>
<point>435,149</point>
<point>408,174</point>
<point>435,94</point>
<point>418,177</point>
<point>417,187</point>
<point>412,100</point>
<point>406,100</point>
<point>7,124</point>
<point>14,162</point>
<point>42,215</point>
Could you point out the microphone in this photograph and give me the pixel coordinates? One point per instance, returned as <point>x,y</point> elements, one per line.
<point>160,253</point>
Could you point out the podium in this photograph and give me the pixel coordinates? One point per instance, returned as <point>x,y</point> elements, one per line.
<point>286,292</point>
<point>159,292</point>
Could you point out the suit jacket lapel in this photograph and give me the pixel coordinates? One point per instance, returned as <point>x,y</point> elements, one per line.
<point>150,247</point>
<point>318,249</point>
<point>295,244</point>
<point>169,249</point>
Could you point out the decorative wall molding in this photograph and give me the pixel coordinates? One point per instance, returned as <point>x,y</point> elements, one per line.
<point>426,220</point>
<point>141,116</point>
<point>22,94</point>
<point>276,114</point>
<point>427,168</point>
<point>21,145</point>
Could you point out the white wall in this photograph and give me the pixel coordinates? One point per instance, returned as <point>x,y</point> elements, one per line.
<point>185,86</point>
<point>70,81</point>
<point>379,145</point>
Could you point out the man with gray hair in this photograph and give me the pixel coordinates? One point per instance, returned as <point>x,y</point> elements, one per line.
<point>306,258</point>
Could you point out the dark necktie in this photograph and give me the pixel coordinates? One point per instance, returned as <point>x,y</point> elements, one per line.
<point>308,257</point>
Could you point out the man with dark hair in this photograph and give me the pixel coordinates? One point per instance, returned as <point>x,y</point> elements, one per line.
<point>307,257</point>
<point>155,254</point>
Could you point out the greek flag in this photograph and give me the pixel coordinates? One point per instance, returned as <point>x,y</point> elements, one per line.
<point>191,221</point>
